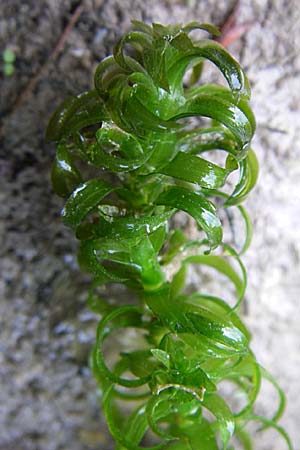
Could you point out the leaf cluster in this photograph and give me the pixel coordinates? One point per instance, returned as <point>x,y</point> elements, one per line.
<point>155,130</point>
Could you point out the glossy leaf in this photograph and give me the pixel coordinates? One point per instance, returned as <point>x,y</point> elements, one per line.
<point>201,26</point>
<point>130,318</point>
<point>65,176</point>
<point>220,264</point>
<point>248,179</point>
<point>223,111</point>
<point>110,142</point>
<point>76,113</point>
<point>123,227</point>
<point>214,52</point>
<point>198,207</point>
<point>225,421</point>
<point>161,356</point>
<point>196,170</point>
<point>83,200</point>
<point>179,319</point>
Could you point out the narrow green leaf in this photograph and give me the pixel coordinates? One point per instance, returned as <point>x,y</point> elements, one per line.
<point>198,436</point>
<point>198,207</point>
<point>106,74</point>
<point>89,260</point>
<point>225,333</point>
<point>139,363</point>
<point>220,308</point>
<point>76,113</point>
<point>129,316</point>
<point>136,39</point>
<point>215,53</point>
<point>143,256</point>
<point>201,26</point>
<point>161,356</point>
<point>200,140</point>
<point>248,232</point>
<point>123,227</point>
<point>138,25</point>
<point>196,170</point>
<point>116,150</point>
<point>248,179</point>
<point>225,421</point>
<point>220,264</point>
<point>83,200</point>
<point>175,244</point>
<point>281,397</point>
<point>227,95</point>
<point>117,432</point>
<point>271,424</point>
<point>181,318</point>
<point>244,438</point>
<point>136,426</point>
<point>64,175</point>
<point>223,111</point>
<point>178,281</point>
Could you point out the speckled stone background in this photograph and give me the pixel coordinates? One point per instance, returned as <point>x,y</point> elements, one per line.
<point>47,395</point>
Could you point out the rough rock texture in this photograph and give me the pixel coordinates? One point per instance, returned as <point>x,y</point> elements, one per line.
<point>47,396</point>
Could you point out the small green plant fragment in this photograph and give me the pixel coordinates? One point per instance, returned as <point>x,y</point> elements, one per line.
<point>9,58</point>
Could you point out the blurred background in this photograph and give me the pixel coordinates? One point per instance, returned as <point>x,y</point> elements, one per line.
<point>48,51</point>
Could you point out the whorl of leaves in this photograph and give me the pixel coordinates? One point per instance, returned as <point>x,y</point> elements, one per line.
<point>142,126</point>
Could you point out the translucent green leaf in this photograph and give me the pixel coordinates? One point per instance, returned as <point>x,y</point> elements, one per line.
<point>282,400</point>
<point>248,179</point>
<point>89,260</point>
<point>196,170</point>
<point>244,214</point>
<point>83,200</point>
<point>107,74</point>
<point>221,264</point>
<point>244,438</point>
<point>117,432</point>
<point>201,26</point>
<point>115,150</point>
<point>161,356</point>
<point>202,210</point>
<point>200,140</point>
<point>76,113</point>
<point>179,280</point>
<point>136,39</point>
<point>129,316</point>
<point>194,204</point>
<point>227,95</point>
<point>138,25</point>
<point>219,307</point>
<point>123,227</point>
<point>223,111</point>
<point>175,243</point>
<point>248,225</point>
<point>179,318</point>
<point>143,256</point>
<point>215,53</point>
<point>158,237</point>
<point>139,363</point>
<point>271,424</point>
<point>225,421</point>
<point>198,436</point>
<point>65,176</point>
<point>172,401</point>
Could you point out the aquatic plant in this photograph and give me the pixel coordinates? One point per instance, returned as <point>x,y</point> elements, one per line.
<point>150,131</point>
